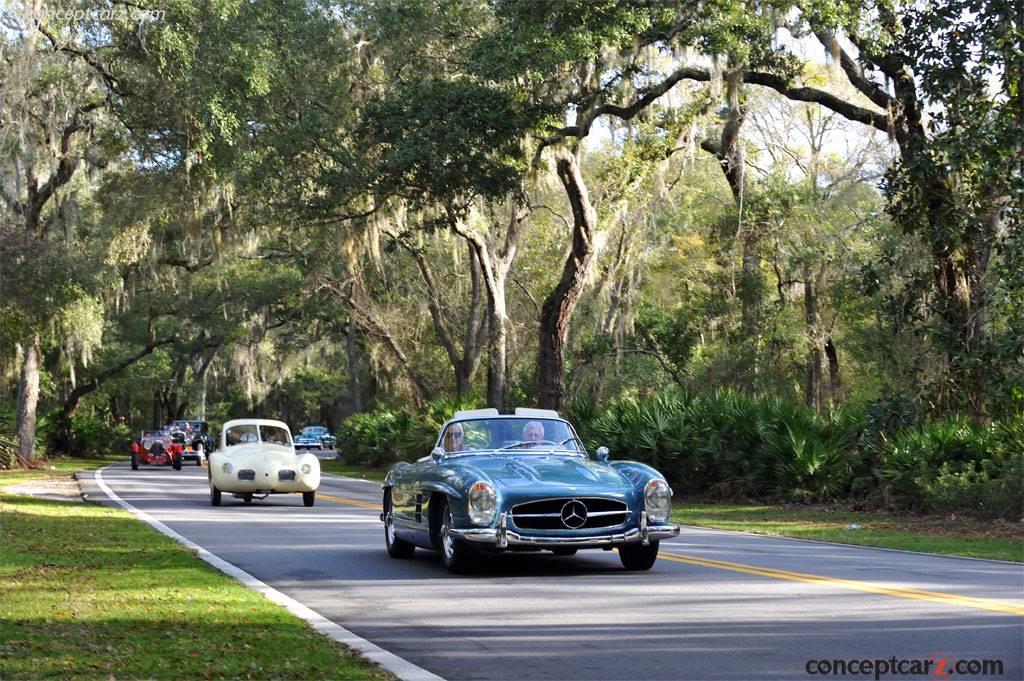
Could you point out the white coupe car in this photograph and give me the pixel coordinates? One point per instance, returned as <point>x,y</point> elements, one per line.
<point>257,458</point>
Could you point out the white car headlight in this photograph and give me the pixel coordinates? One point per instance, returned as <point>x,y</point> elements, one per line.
<point>227,468</point>
<point>306,469</point>
<point>483,503</point>
<point>657,500</point>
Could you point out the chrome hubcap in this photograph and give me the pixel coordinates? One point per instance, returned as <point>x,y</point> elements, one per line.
<point>389,528</point>
<point>447,543</point>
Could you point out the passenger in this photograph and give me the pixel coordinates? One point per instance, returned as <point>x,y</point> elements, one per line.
<point>454,438</point>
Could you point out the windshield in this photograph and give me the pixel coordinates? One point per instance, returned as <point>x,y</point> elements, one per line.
<point>540,436</point>
<point>273,435</point>
<point>249,432</point>
<point>240,435</point>
<point>314,430</point>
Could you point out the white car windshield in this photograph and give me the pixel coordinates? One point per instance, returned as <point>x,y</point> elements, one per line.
<point>248,433</point>
<point>529,435</point>
<point>272,435</point>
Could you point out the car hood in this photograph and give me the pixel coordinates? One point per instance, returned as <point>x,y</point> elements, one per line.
<point>552,474</point>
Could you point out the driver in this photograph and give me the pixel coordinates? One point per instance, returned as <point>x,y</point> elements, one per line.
<point>533,432</point>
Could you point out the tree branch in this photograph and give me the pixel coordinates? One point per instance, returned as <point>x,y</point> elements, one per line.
<point>854,72</point>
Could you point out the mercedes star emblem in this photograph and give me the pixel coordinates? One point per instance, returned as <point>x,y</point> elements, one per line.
<point>574,514</point>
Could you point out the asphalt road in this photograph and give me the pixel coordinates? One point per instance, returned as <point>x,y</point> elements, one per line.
<point>717,605</point>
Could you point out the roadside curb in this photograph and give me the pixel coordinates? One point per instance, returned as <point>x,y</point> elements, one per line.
<point>401,668</point>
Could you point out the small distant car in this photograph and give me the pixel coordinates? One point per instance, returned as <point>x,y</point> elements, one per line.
<point>156,447</point>
<point>523,482</point>
<point>314,437</point>
<point>194,438</point>
<point>257,458</point>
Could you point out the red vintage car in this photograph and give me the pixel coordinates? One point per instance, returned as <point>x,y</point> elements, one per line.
<point>155,446</point>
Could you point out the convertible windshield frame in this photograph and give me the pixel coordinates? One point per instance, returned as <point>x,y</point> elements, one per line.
<point>560,430</point>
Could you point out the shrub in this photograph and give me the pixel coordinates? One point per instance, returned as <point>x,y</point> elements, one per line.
<point>93,435</point>
<point>956,465</point>
<point>725,444</point>
<point>384,436</point>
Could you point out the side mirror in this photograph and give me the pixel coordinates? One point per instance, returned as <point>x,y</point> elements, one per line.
<point>437,454</point>
<point>602,453</point>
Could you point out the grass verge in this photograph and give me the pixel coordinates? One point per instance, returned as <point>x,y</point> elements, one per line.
<point>57,467</point>
<point>351,471</point>
<point>929,534</point>
<point>88,591</point>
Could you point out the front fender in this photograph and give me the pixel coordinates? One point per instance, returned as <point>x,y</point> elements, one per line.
<point>448,490</point>
<point>312,479</point>
<point>638,474</point>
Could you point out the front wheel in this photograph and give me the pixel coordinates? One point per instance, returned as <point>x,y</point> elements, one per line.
<point>637,556</point>
<point>397,548</point>
<point>135,461</point>
<point>458,556</point>
<point>308,498</point>
<point>214,495</point>
<point>176,462</point>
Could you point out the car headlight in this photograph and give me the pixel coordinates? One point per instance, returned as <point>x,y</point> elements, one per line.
<point>483,503</point>
<point>227,468</point>
<point>306,469</point>
<point>657,500</point>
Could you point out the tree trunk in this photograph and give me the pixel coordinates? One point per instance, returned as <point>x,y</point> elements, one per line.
<point>494,268</point>
<point>833,370</point>
<point>28,400</point>
<point>558,307</point>
<point>353,367</point>
<point>812,385</point>
<point>497,347</point>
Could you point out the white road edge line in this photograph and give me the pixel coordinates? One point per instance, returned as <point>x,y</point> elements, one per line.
<point>403,669</point>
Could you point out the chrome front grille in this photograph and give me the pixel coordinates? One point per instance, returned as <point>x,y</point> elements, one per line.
<point>566,513</point>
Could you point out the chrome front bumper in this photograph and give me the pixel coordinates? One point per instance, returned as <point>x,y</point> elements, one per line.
<point>502,537</point>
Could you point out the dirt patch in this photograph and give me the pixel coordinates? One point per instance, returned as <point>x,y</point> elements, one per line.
<point>56,489</point>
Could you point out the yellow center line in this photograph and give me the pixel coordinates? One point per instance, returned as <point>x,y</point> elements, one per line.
<point>352,502</point>
<point>851,584</point>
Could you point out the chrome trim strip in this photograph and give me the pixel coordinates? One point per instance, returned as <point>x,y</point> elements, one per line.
<point>563,498</point>
<point>595,514</point>
<point>503,537</point>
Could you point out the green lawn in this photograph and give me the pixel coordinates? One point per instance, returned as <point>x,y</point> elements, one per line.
<point>929,534</point>
<point>88,591</point>
<point>57,467</point>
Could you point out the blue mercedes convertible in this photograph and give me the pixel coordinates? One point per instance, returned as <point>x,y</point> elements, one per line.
<point>523,482</point>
